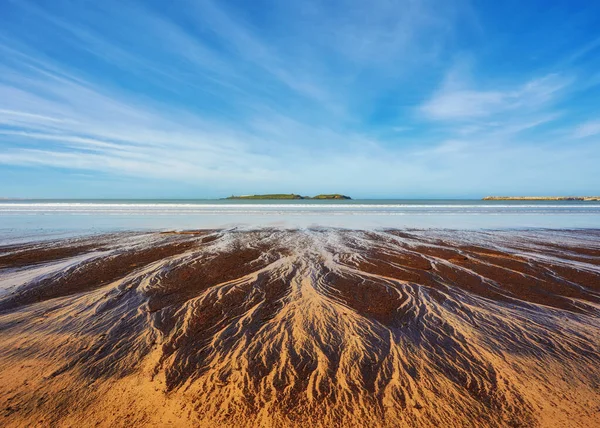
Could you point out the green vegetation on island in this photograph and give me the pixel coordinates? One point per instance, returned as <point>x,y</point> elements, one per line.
<point>542,198</point>
<point>333,196</point>
<point>289,196</point>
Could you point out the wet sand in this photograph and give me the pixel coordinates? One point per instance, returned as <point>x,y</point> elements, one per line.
<point>320,327</point>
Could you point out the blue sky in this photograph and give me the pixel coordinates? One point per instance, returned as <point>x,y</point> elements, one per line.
<point>200,98</point>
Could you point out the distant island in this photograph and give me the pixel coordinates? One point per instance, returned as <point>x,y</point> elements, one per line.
<point>289,196</point>
<point>542,198</point>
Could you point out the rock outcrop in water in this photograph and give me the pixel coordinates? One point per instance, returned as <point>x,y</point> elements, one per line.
<point>302,328</point>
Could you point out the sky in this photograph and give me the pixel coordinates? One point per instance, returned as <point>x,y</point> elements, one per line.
<point>377,99</point>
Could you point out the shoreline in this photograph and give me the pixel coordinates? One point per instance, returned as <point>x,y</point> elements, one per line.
<point>356,214</point>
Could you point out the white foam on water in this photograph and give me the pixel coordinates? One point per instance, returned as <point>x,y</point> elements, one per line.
<point>99,216</point>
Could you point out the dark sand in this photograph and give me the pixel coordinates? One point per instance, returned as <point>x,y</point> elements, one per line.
<point>312,327</point>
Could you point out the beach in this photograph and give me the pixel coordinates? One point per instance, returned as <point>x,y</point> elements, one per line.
<point>271,214</point>
<point>284,326</point>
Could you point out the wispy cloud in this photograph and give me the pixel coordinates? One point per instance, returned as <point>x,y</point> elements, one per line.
<point>246,124</point>
<point>290,98</point>
<point>458,100</point>
<point>587,129</point>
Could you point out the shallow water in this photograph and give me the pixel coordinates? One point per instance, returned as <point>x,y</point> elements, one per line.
<point>20,219</point>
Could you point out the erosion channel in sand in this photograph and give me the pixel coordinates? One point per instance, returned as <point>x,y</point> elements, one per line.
<point>285,327</point>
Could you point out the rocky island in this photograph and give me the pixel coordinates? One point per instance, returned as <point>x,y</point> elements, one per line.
<point>542,198</point>
<point>289,196</point>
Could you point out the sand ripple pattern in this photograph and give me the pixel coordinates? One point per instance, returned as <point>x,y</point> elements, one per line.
<point>306,327</point>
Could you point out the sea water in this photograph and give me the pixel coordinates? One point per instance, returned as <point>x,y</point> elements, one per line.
<point>25,219</point>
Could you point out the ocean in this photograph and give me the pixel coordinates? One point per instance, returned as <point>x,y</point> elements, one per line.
<point>28,219</point>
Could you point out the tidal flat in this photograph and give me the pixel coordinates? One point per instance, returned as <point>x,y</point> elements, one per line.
<point>286,327</point>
